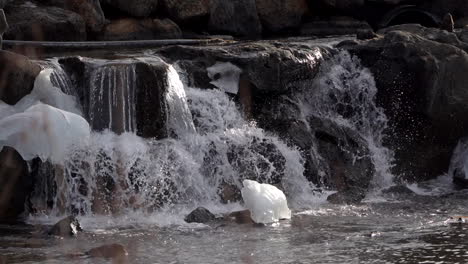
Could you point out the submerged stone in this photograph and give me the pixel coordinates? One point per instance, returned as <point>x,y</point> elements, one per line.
<point>111,251</point>
<point>200,215</point>
<point>67,227</point>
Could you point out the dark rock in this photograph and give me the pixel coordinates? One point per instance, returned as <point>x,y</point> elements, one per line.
<point>336,26</point>
<point>421,81</point>
<point>398,191</point>
<point>89,10</point>
<point>187,11</point>
<point>144,29</point>
<point>278,15</point>
<point>241,217</point>
<point>3,22</point>
<point>111,251</point>
<point>229,193</point>
<point>346,197</point>
<point>137,8</point>
<point>238,18</point>
<point>200,215</point>
<point>149,91</point>
<point>458,8</point>
<point>28,21</point>
<point>15,184</point>
<point>17,76</point>
<point>3,3</point>
<point>364,34</point>
<point>67,227</point>
<point>447,23</point>
<point>347,4</point>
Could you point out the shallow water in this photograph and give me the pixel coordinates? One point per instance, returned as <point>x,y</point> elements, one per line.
<point>391,229</point>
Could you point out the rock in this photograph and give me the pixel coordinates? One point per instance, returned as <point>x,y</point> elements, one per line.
<point>3,26</point>
<point>28,21</point>
<point>3,22</point>
<point>458,8</point>
<point>421,80</point>
<point>111,251</point>
<point>278,15</point>
<point>15,184</point>
<point>17,76</point>
<point>398,191</point>
<point>343,4</point>
<point>335,26</point>
<point>137,8</point>
<point>93,77</point>
<point>89,10</point>
<point>238,18</point>
<point>346,197</point>
<point>3,3</point>
<point>447,23</point>
<point>187,11</point>
<point>200,215</point>
<point>134,29</point>
<point>229,193</point>
<point>241,217</point>
<point>67,227</point>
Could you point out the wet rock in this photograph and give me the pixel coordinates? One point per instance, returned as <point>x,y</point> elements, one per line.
<point>140,29</point>
<point>67,227</point>
<point>343,4</point>
<point>3,25</point>
<point>278,15</point>
<point>187,11</point>
<point>200,215</point>
<point>238,18</point>
<point>137,8</point>
<point>149,88</point>
<point>240,217</point>
<point>17,76</point>
<point>229,193</point>
<point>458,8</point>
<point>30,21</point>
<point>398,191</point>
<point>447,23</point>
<point>335,26</point>
<point>421,80</point>
<point>89,10</point>
<point>346,197</point>
<point>111,251</point>
<point>15,184</point>
<point>3,260</point>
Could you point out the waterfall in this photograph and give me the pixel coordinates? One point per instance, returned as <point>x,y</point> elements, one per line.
<point>211,149</point>
<point>344,93</point>
<point>112,97</point>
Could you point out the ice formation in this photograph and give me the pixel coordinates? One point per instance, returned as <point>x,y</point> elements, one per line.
<point>267,204</point>
<point>43,131</point>
<point>225,76</point>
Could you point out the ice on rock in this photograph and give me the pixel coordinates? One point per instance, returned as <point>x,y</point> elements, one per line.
<point>267,204</point>
<point>43,131</point>
<point>225,76</point>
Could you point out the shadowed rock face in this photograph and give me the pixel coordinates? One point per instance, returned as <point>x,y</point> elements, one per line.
<point>278,15</point>
<point>421,78</point>
<point>17,76</point>
<point>140,29</point>
<point>238,18</point>
<point>28,21</point>
<point>137,8</point>
<point>15,184</point>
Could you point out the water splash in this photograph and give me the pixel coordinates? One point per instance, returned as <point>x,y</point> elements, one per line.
<point>344,93</point>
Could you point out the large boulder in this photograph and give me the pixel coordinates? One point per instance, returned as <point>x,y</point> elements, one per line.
<point>89,10</point>
<point>137,8</point>
<point>17,76</point>
<point>278,15</point>
<point>187,11</point>
<point>140,29</point>
<point>145,84</point>
<point>29,21</point>
<point>238,18</point>
<point>15,184</point>
<point>421,80</point>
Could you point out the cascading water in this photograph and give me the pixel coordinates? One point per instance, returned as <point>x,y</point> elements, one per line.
<point>344,93</point>
<point>112,97</point>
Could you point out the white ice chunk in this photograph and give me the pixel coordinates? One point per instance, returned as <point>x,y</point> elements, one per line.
<point>43,131</point>
<point>267,204</point>
<point>225,76</point>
